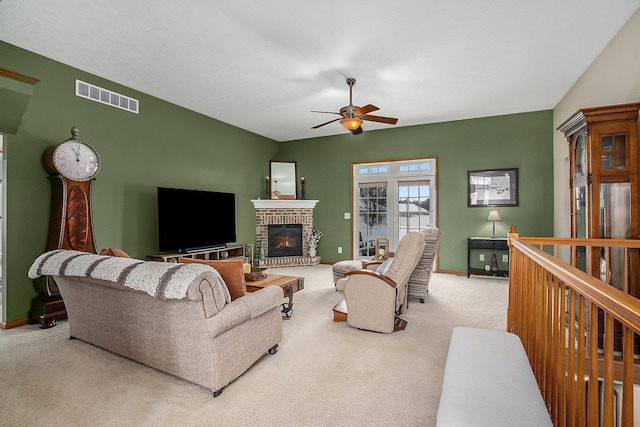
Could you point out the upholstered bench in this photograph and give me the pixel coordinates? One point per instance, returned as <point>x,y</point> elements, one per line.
<point>488,382</point>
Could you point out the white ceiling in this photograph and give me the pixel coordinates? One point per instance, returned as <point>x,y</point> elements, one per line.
<point>264,65</point>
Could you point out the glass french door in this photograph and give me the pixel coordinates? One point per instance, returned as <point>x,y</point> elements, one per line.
<point>390,200</point>
<point>372,217</point>
<point>414,198</point>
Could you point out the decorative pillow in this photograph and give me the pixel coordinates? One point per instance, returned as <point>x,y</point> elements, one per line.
<point>114,252</point>
<point>231,272</point>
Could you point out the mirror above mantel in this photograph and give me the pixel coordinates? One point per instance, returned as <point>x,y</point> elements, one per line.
<point>283,180</point>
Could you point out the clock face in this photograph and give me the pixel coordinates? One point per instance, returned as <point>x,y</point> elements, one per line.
<point>76,160</point>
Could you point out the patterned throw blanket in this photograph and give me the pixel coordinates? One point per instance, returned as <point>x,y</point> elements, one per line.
<point>162,280</point>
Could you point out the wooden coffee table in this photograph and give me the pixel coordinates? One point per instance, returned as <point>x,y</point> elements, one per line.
<point>289,285</point>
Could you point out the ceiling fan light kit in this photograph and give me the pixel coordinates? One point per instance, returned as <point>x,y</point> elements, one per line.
<point>352,116</point>
<point>351,124</point>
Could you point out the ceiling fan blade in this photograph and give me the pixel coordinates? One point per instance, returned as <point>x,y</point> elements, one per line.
<point>326,112</point>
<point>366,109</point>
<point>330,121</point>
<point>357,131</point>
<point>380,119</point>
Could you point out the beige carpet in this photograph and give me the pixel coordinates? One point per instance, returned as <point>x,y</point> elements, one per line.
<point>324,374</point>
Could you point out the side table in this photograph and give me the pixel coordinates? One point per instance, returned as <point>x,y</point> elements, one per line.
<point>479,253</point>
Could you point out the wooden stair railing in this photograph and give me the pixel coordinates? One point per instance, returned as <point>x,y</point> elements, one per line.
<point>560,312</point>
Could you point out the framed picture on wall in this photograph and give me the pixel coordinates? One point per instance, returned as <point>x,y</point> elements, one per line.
<point>492,187</point>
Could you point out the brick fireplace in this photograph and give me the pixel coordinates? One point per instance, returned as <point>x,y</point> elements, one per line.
<point>283,212</point>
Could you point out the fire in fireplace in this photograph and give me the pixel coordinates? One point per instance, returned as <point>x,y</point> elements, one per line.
<point>284,240</point>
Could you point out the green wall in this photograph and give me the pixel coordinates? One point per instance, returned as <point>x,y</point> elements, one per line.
<point>522,141</point>
<point>166,145</point>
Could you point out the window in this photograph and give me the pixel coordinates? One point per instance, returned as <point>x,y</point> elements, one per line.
<point>373,169</point>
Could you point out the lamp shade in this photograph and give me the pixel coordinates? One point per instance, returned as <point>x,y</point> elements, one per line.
<point>493,216</point>
<point>351,123</point>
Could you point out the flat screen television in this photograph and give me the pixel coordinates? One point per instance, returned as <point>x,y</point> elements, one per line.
<point>191,220</point>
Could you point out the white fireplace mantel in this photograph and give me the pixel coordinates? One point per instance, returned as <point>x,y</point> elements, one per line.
<point>286,204</point>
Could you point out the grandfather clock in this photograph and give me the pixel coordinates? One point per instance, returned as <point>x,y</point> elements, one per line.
<point>603,183</point>
<point>72,166</point>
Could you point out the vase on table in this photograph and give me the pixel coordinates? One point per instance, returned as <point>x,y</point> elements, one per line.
<point>494,263</point>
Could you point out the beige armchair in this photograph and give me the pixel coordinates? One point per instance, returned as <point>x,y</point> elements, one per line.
<point>373,298</point>
<point>421,275</point>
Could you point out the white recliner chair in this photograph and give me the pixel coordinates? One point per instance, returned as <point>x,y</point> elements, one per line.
<point>420,276</point>
<point>372,298</point>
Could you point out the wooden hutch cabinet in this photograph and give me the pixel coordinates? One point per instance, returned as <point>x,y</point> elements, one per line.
<point>603,183</point>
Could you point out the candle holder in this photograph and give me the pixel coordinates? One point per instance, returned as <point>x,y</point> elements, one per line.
<point>267,192</point>
<point>302,188</point>
<point>275,194</point>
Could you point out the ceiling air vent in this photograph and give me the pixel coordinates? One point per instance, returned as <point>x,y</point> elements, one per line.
<point>95,93</point>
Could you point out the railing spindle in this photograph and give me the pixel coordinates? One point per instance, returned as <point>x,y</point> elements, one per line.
<point>580,362</point>
<point>593,394</point>
<point>607,400</point>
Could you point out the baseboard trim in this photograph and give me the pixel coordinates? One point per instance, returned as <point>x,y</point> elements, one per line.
<point>13,324</point>
<point>459,273</point>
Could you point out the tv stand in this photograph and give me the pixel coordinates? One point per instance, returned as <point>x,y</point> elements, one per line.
<point>221,253</point>
<point>208,248</point>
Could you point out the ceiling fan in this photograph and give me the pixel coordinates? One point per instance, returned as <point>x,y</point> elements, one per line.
<point>352,116</point>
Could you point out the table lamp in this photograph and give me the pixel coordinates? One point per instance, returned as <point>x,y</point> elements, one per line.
<point>493,216</point>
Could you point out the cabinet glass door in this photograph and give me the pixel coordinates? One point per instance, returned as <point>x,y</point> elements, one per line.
<point>614,152</point>
<point>580,156</point>
<point>581,214</point>
<point>615,222</point>
<point>581,224</point>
